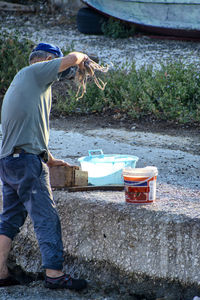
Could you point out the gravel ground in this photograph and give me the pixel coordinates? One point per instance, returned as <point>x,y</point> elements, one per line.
<point>61,30</point>
<point>36,291</point>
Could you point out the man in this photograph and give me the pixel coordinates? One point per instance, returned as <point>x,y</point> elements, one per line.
<point>25,159</point>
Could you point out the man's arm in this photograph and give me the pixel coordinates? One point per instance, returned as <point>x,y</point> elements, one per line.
<point>72,59</point>
<point>57,162</point>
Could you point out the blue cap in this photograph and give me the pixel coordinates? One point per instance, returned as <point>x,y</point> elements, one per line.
<point>48,48</point>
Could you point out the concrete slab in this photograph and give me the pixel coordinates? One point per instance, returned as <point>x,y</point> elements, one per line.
<point>160,241</point>
<point>137,248</point>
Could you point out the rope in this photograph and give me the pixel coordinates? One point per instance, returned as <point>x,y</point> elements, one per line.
<point>82,76</point>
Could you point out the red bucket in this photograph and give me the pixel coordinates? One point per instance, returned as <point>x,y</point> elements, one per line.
<point>140,184</point>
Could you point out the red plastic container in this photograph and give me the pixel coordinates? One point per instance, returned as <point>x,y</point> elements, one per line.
<point>140,185</point>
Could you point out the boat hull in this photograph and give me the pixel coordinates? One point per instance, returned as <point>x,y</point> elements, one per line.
<point>166,17</point>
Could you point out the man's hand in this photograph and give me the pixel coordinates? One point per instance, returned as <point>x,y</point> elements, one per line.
<point>52,162</point>
<point>73,59</point>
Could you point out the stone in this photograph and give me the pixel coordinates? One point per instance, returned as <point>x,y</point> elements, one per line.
<point>143,249</point>
<point>64,176</point>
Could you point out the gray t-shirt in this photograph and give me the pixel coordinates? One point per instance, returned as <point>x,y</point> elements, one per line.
<point>26,108</point>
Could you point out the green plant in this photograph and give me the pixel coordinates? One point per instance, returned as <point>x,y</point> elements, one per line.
<point>169,93</point>
<point>14,53</point>
<point>117,29</point>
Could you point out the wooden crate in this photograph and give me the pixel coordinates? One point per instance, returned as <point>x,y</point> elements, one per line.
<point>64,176</point>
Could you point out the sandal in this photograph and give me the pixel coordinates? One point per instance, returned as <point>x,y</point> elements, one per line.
<point>65,282</point>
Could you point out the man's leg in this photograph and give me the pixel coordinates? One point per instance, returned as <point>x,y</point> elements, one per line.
<point>5,278</point>
<point>53,273</point>
<point>42,210</point>
<point>12,218</point>
<point>26,188</point>
<point>29,178</point>
<point>35,194</point>
<point>5,246</point>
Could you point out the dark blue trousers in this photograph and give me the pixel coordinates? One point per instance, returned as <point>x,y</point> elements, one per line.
<point>26,190</point>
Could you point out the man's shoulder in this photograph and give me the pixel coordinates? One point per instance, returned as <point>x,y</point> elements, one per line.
<point>22,73</point>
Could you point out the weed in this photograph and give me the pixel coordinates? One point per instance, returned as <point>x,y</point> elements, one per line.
<point>171,92</point>
<point>117,29</point>
<point>14,54</point>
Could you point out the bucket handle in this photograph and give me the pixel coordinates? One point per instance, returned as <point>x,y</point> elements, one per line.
<point>91,152</point>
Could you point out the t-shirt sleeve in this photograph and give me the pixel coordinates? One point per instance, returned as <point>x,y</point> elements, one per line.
<point>46,72</point>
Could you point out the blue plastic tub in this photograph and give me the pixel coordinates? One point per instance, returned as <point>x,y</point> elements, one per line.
<point>106,169</point>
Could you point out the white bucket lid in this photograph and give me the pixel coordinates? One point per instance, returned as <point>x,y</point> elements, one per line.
<point>149,171</point>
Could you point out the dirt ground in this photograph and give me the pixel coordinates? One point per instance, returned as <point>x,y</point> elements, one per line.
<point>94,121</point>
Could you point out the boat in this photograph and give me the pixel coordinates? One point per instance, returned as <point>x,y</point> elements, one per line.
<point>180,18</point>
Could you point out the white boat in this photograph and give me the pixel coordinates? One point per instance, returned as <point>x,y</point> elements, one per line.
<point>166,17</point>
